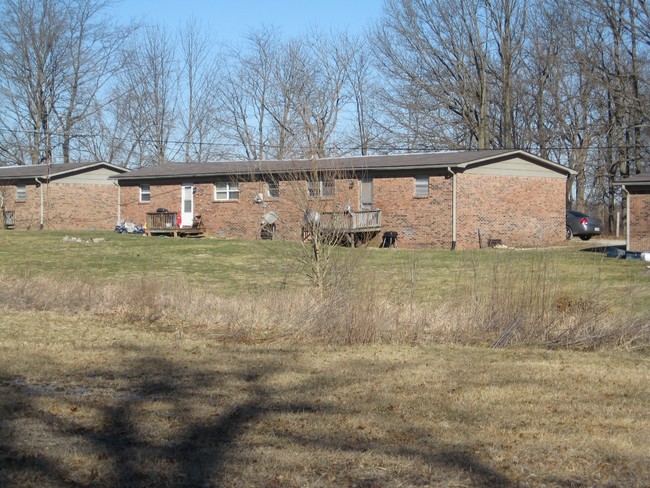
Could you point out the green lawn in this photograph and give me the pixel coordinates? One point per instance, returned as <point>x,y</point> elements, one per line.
<point>233,266</point>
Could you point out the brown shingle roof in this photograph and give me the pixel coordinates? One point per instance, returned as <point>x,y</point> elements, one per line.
<point>455,159</point>
<point>44,170</point>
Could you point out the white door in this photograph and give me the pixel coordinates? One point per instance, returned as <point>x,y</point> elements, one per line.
<point>187,206</point>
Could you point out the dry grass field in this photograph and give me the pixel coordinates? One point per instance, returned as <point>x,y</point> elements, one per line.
<point>135,362</point>
<point>89,403</point>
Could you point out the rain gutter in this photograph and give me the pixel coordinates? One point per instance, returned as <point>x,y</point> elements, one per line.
<point>41,184</point>
<point>627,219</point>
<point>119,200</point>
<point>453,208</point>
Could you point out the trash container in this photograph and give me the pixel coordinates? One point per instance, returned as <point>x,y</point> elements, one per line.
<point>267,232</point>
<point>389,239</point>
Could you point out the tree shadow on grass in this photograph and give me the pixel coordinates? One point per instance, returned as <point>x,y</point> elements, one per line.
<point>195,455</point>
<point>197,449</point>
<point>16,463</point>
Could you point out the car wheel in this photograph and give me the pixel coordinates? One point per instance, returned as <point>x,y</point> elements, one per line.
<point>569,233</point>
<point>585,238</point>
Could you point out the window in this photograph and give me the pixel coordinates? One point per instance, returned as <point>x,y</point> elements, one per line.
<point>21,193</point>
<point>226,190</point>
<point>145,193</point>
<point>421,186</point>
<point>327,188</point>
<point>313,188</point>
<point>321,188</point>
<point>272,188</point>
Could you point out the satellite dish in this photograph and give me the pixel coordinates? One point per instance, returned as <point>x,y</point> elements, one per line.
<point>270,218</point>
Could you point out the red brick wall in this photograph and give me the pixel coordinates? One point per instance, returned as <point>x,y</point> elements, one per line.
<point>639,203</point>
<point>83,207</point>
<point>521,211</point>
<point>420,222</point>
<point>242,217</point>
<point>66,206</point>
<point>28,210</point>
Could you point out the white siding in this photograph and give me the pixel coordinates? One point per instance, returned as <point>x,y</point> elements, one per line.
<point>514,167</point>
<point>97,176</point>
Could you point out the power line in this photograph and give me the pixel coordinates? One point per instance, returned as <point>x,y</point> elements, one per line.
<point>333,147</point>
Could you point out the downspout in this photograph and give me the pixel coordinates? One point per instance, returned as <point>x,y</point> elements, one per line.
<point>453,208</point>
<point>119,200</point>
<point>41,184</point>
<point>627,219</point>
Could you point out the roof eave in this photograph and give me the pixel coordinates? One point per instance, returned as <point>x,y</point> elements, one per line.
<point>525,155</point>
<point>257,172</point>
<point>85,168</point>
<point>293,166</point>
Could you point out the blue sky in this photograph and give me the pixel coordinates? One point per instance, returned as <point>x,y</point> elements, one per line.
<point>231,20</point>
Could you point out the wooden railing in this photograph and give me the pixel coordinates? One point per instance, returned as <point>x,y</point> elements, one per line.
<point>162,220</point>
<point>365,220</point>
<point>166,224</point>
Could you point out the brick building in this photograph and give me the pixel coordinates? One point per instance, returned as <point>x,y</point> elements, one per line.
<point>76,196</point>
<point>638,211</point>
<point>463,199</point>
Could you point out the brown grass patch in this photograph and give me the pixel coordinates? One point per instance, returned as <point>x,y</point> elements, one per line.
<point>86,402</point>
<point>501,306</point>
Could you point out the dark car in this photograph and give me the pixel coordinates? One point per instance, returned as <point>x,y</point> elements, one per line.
<point>582,225</point>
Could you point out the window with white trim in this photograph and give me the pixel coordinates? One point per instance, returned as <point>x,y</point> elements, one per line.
<point>226,190</point>
<point>421,186</point>
<point>145,193</point>
<point>322,188</point>
<point>21,193</point>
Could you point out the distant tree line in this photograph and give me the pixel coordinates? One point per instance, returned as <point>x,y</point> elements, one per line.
<point>566,81</point>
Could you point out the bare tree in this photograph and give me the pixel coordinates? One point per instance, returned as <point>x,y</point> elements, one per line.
<point>568,82</point>
<point>249,94</point>
<point>56,57</point>
<point>33,53</point>
<point>440,48</point>
<point>312,80</point>
<point>567,94</point>
<point>92,59</point>
<point>616,64</point>
<point>109,141</point>
<point>508,22</point>
<point>149,95</point>
<point>363,92</point>
<point>542,68</point>
<point>316,206</point>
<point>198,89</point>
<point>283,99</point>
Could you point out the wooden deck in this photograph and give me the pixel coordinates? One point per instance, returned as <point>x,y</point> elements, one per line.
<point>166,224</point>
<point>346,222</point>
<point>177,232</point>
<point>349,228</point>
